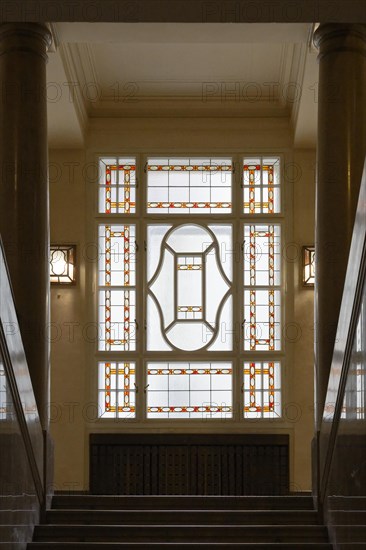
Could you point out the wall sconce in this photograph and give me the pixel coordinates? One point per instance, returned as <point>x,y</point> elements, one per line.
<point>63,264</point>
<point>308,266</point>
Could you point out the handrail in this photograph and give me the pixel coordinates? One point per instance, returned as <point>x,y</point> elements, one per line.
<point>347,324</point>
<point>18,378</point>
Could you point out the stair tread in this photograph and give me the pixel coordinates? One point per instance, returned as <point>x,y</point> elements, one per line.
<point>308,517</point>
<point>179,502</point>
<point>171,526</point>
<point>177,533</point>
<point>168,545</point>
<point>251,522</point>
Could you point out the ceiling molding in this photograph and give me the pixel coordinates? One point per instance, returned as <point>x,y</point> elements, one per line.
<point>284,73</point>
<point>54,37</point>
<point>75,89</point>
<point>278,67</point>
<point>167,107</point>
<point>84,62</point>
<point>298,73</point>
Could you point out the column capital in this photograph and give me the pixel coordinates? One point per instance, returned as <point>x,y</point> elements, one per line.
<point>32,38</point>
<point>340,37</point>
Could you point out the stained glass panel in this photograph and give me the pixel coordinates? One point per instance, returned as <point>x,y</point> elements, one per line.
<point>117,293</point>
<point>262,280</point>
<point>262,255</point>
<point>261,183</point>
<point>189,304</point>
<point>189,390</point>
<point>117,185</point>
<point>189,186</point>
<point>262,389</point>
<point>116,388</point>
<point>262,327</point>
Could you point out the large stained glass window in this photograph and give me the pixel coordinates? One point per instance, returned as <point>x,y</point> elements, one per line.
<point>189,288</point>
<point>189,186</point>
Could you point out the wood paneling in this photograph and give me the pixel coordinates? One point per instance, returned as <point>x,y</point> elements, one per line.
<point>189,464</point>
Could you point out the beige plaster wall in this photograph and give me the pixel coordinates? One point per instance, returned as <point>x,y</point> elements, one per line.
<point>68,357</point>
<point>72,415</point>
<point>303,352</point>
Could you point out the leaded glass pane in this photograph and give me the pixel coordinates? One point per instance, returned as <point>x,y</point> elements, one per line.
<point>117,185</point>
<point>189,304</point>
<point>261,183</point>
<point>189,186</point>
<point>262,315</point>
<point>262,280</point>
<point>117,255</point>
<point>262,389</point>
<point>117,290</point>
<point>262,255</point>
<point>116,389</point>
<point>189,390</point>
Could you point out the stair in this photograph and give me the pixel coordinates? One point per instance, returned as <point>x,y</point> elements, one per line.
<point>173,522</point>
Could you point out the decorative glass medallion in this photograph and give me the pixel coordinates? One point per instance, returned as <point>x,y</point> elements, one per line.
<point>189,287</point>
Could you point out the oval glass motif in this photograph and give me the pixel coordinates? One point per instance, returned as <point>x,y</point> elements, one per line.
<point>189,287</point>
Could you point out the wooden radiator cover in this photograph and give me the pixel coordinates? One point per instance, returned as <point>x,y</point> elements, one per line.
<point>177,464</point>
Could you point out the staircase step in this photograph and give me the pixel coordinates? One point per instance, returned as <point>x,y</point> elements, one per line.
<point>181,533</point>
<point>117,502</point>
<point>176,546</point>
<point>344,533</point>
<point>179,517</point>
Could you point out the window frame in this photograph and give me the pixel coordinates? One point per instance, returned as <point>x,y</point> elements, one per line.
<point>238,355</point>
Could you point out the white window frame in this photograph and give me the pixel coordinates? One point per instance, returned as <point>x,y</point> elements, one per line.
<point>238,356</point>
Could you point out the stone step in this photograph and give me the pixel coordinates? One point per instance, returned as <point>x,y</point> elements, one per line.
<point>117,502</point>
<point>181,533</point>
<point>176,546</point>
<point>353,532</point>
<point>179,517</point>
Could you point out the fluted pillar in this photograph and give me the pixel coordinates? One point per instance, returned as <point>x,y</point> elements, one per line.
<point>24,210</point>
<point>341,153</point>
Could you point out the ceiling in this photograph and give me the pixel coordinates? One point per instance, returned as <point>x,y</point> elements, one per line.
<point>180,70</point>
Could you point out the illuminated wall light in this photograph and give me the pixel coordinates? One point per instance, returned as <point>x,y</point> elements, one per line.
<point>63,264</point>
<point>308,266</point>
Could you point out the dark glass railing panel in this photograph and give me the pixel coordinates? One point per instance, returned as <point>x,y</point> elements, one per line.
<point>342,439</point>
<point>21,436</point>
<point>19,503</point>
<point>346,489</point>
<point>14,358</point>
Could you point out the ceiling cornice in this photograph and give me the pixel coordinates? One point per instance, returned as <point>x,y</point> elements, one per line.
<point>73,70</point>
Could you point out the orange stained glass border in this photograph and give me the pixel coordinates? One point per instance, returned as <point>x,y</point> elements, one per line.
<point>252,206</point>
<point>127,206</point>
<point>126,371</point>
<point>253,369</point>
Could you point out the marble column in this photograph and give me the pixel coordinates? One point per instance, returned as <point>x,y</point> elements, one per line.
<point>24,197</point>
<point>341,153</point>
